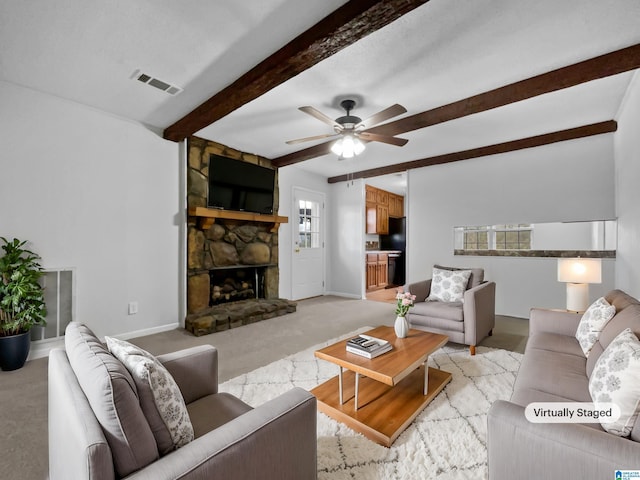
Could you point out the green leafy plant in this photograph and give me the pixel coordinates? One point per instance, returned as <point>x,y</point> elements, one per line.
<point>21,296</point>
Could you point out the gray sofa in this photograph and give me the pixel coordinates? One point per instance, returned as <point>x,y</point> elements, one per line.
<point>98,431</point>
<point>554,369</point>
<point>466,322</point>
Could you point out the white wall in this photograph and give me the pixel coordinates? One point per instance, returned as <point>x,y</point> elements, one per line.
<point>627,149</point>
<point>98,193</point>
<point>567,181</point>
<point>347,240</point>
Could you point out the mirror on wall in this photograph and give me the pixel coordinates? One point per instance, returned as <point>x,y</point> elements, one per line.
<point>596,235</point>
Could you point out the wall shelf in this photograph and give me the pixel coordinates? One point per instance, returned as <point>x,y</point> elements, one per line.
<point>207,217</point>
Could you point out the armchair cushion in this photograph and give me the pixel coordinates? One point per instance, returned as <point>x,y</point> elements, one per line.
<point>160,398</point>
<point>448,285</point>
<point>212,411</point>
<point>113,397</point>
<point>446,310</point>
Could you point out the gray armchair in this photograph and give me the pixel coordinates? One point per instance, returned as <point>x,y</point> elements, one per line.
<point>466,322</point>
<point>276,440</point>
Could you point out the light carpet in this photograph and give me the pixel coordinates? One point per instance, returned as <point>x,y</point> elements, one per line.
<point>447,440</point>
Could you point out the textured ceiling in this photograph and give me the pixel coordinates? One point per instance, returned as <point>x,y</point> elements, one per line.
<point>443,51</point>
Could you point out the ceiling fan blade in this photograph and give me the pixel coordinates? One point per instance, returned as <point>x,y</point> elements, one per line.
<point>375,137</point>
<point>309,139</point>
<point>320,116</point>
<point>382,115</point>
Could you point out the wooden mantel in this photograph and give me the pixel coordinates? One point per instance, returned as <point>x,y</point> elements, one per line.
<point>207,217</point>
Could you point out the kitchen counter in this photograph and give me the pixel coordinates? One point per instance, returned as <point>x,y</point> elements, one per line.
<point>383,251</point>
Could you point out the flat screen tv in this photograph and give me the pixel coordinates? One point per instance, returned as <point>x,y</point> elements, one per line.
<point>238,185</point>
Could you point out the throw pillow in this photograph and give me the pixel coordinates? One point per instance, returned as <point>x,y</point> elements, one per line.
<point>616,379</point>
<point>448,285</point>
<point>592,323</point>
<point>160,398</point>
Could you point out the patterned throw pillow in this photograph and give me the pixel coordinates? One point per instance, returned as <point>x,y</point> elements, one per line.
<point>448,285</point>
<point>592,323</point>
<point>616,379</point>
<point>160,398</point>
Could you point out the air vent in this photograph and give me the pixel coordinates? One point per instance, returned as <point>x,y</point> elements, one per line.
<point>156,82</point>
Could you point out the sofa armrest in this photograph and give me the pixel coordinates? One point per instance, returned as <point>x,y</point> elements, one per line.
<point>552,450</point>
<point>479,312</point>
<point>275,441</point>
<point>195,370</point>
<point>553,321</point>
<point>420,289</point>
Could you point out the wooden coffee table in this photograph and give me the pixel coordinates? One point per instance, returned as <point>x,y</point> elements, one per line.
<point>380,397</point>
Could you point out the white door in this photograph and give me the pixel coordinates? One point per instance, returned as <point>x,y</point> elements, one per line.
<point>308,244</point>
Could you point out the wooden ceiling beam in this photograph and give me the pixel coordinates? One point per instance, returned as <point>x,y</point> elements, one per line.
<point>612,63</point>
<point>529,142</point>
<point>345,26</point>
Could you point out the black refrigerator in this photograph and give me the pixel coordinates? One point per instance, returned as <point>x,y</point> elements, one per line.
<point>396,240</point>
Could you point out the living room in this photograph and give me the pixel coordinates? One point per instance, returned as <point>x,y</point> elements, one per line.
<point>105,195</point>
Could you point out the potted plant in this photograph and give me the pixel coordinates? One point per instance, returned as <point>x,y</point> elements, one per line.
<point>21,302</point>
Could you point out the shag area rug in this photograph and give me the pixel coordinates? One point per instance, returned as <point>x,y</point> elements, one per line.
<point>447,440</point>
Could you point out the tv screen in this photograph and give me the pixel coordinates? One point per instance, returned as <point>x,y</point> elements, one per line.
<point>238,185</point>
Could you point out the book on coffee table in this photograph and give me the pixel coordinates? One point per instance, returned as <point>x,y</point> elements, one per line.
<point>368,346</point>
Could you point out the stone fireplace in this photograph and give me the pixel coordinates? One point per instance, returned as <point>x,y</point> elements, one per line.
<point>232,257</point>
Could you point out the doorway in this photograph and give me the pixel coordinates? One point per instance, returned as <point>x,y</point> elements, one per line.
<point>308,265</point>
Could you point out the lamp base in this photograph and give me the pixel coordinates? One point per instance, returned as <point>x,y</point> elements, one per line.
<point>577,297</point>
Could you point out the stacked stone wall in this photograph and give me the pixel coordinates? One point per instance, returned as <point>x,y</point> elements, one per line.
<point>227,243</point>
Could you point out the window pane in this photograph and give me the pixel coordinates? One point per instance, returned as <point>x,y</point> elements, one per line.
<point>309,224</point>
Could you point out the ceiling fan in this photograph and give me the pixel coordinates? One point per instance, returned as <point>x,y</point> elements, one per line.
<point>352,130</point>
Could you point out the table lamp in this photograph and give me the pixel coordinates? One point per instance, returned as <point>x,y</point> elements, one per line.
<point>578,273</point>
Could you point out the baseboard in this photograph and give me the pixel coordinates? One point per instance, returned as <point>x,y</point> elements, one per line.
<point>41,348</point>
<point>345,295</point>
<point>147,331</point>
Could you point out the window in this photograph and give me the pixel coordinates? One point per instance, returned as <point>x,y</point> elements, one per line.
<point>512,237</point>
<point>308,224</point>
<point>494,237</point>
<point>476,238</point>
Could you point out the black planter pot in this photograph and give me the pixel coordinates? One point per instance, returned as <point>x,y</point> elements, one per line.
<point>14,351</point>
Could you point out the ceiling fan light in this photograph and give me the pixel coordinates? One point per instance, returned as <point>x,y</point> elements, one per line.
<point>337,147</point>
<point>347,147</point>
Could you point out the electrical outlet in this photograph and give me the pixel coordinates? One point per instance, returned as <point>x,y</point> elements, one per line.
<point>133,308</point>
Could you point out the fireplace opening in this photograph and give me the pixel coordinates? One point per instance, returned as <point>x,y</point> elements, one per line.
<point>232,284</point>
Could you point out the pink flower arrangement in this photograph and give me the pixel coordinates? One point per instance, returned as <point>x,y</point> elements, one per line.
<point>404,301</point>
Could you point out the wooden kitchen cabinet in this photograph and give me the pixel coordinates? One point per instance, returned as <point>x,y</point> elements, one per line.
<point>383,270</point>
<point>377,269</point>
<point>382,197</point>
<point>377,219</point>
<point>372,271</point>
<point>396,205</point>
<point>380,205</point>
<point>382,219</point>
<point>371,194</point>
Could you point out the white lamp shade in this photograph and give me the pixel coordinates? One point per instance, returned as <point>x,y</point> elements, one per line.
<point>580,270</point>
<point>348,146</point>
